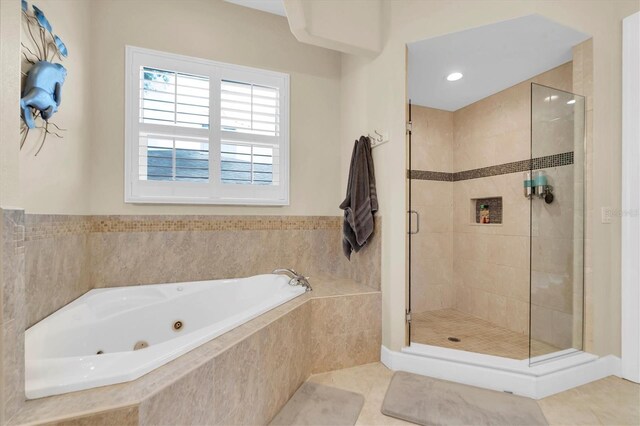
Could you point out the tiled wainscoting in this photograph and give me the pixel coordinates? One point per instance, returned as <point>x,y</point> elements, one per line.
<point>12,284</point>
<point>69,255</point>
<point>242,377</point>
<point>50,260</point>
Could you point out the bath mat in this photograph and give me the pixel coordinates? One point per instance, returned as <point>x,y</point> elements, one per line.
<point>428,401</point>
<point>316,404</point>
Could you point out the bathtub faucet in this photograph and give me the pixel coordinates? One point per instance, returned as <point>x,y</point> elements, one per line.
<point>296,278</point>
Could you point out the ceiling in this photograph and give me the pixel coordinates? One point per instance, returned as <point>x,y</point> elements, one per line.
<point>271,6</point>
<point>491,58</point>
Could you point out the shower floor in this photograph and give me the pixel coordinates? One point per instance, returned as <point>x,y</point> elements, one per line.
<point>476,335</point>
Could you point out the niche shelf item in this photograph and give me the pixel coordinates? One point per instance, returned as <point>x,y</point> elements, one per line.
<point>494,207</point>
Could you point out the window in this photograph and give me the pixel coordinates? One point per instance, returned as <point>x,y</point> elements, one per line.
<point>204,132</point>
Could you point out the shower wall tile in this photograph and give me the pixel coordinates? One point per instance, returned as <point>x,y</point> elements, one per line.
<point>433,201</point>
<point>560,78</point>
<point>551,326</point>
<point>511,146</point>
<point>432,149</point>
<point>491,263</point>
<point>434,194</point>
<point>518,314</point>
<point>498,310</point>
<point>431,139</point>
<point>12,312</point>
<point>552,290</point>
<point>484,129</point>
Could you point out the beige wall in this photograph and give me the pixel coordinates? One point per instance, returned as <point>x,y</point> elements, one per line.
<point>9,106</point>
<point>84,172</point>
<point>58,179</point>
<point>228,33</point>
<point>384,92</point>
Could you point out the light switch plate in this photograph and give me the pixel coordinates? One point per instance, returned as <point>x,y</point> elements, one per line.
<point>606,214</point>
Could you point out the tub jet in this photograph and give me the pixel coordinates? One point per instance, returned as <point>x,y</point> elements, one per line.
<point>140,345</point>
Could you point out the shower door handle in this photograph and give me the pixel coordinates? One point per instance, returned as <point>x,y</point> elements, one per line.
<point>417,222</point>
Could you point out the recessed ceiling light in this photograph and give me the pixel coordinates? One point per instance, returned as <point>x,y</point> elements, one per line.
<point>454,76</point>
<point>551,98</point>
<point>571,102</point>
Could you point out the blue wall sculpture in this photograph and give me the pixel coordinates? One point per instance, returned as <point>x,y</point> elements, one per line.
<point>42,91</point>
<point>42,87</point>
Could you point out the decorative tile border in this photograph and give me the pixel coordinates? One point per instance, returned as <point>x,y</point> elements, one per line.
<point>213,223</point>
<point>555,160</point>
<point>41,226</point>
<point>427,175</point>
<point>50,226</point>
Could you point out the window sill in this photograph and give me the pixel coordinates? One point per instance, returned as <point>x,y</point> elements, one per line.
<point>206,201</point>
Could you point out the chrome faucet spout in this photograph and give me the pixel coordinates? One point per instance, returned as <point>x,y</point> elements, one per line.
<point>289,272</point>
<point>296,279</point>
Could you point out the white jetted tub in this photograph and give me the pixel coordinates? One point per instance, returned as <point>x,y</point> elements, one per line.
<point>115,335</point>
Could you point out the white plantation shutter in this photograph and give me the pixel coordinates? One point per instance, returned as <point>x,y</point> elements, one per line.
<point>246,111</point>
<point>199,131</point>
<point>249,108</point>
<point>174,99</point>
<point>177,100</point>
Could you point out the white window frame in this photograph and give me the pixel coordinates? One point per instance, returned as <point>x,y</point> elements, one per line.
<point>213,192</point>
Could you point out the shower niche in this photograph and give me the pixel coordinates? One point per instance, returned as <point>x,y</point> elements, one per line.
<point>500,272</point>
<point>486,211</point>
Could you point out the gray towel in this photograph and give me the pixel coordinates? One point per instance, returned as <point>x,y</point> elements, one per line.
<point>361,201</point>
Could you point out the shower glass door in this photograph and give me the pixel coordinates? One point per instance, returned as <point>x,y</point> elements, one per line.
<point>557,222</point>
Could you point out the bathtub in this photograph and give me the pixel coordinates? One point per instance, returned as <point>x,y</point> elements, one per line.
<point>115,335</point>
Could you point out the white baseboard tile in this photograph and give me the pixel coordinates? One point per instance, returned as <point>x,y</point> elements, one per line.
<point>502,374</point>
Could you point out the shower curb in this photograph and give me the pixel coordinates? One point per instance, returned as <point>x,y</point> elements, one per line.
<point>538,381</point>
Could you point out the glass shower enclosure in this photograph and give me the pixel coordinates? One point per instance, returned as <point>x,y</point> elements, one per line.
<point>557,222</point>
<point>496,253</point>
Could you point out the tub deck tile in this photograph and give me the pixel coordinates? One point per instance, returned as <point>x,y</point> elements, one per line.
<point>253,369</point>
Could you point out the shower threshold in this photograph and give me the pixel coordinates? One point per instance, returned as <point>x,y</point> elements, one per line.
<point>536,378</point>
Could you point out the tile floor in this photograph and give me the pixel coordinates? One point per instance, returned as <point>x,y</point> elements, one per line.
<point>475,334</point>
<point>610,401</point>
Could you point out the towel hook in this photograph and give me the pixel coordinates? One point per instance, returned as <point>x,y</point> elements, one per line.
<point>377,140</point>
